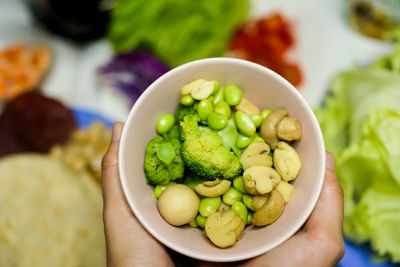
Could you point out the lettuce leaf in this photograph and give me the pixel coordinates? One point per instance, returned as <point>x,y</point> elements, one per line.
<point>360,121</point>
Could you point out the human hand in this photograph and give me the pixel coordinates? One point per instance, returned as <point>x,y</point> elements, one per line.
<point>318,243</point>
<point>127,242</point>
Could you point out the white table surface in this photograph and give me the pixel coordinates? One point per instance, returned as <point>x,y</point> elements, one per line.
<point>325,46</point>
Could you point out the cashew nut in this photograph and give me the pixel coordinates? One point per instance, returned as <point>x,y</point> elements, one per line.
<point>287,161</point>
<point>212,188</point>
<point>257,180</point>
<point>246,106</point>
<point>270,211</point>
<point>286,190</point>
<point>268,129</point>
<point>256,154</point>
<point>289,129</point>
<point>199,89</point>
<point>223,229</point>
<point>258,201</point>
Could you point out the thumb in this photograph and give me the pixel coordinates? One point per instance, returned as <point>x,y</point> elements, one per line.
<point>109,165</point>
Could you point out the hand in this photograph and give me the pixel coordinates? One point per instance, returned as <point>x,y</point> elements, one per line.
<point>319,243</point>
<point>127,242</point>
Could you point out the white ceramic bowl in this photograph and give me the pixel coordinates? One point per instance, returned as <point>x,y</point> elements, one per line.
<point>264,88</point>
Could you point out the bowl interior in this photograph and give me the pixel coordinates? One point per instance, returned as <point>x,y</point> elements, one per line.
<point>264,88</point>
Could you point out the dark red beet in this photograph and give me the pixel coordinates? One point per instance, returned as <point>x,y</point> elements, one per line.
<point>33,123</point>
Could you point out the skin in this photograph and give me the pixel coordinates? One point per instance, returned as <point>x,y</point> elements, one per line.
<point>318,243</point>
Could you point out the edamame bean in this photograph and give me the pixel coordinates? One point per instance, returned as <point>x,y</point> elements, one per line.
<point>196,106</point>
<point>223,108</point>
<point>240,210</point>
<point>238,184</point>
<point>243,141</point>
<point>258,138</point>
<point>201,220</point>
<point>204,109</point>
<point>265,113</point>
<point>216,121</point>
<point>193,223</point>
<point>249,217</point>
<point>165,123</point>
<point>218,96</point>
<point>158,189</point>
<point>209,205</point>
<point>247,200</point>
<point>187,100</point>
<point>231,196</point>
<point>257,119</point>
<point>232,95</point>
<point>217,85</point>
<point>244,123</point>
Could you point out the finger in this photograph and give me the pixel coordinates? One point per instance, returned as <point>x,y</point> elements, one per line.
<point>112,191</point>
<point>328,212</point>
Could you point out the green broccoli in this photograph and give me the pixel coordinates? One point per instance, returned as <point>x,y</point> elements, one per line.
<point>204,152</point>
<point>163,162</point>
<point>182,111</point>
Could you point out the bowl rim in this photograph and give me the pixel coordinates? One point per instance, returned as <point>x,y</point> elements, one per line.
<point>262,249</point>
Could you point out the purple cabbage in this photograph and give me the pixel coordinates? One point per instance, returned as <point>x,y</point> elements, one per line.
<point>131,73</point>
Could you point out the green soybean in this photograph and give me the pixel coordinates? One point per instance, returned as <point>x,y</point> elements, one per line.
<point>204,109</point>
<point>238,184</point>
<point>187,100</point>
<point>258,138</point>
<point>209,205</point>
<point>257,119</point>
<point>243,141</point>
<point>218,96</point>
<point>217,85</point>
<point>193,223</point>
<point>247,200</point>
<point>216,121</point>
<point>265,113</point>
<point>231,196</point>
<point>223,108</point>
<point>201,220</point>
<point>232,95</point>
<point>240,210</point>
<point>165,123</point>
<point>196,106</point>
<point>244,123</point>
<point>158,189</point>
<point>249,217</point>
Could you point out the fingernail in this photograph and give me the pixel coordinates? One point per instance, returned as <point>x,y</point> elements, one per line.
<point>116,131</point>
<point>330,162</point>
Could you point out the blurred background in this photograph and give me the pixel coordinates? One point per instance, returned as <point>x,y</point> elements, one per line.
<point>69,69</point>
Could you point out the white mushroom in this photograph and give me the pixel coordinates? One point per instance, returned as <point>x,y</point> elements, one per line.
<point>286,161</point>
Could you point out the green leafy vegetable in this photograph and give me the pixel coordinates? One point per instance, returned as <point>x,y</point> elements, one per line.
<point>177,31</point>
<point>361,126</point>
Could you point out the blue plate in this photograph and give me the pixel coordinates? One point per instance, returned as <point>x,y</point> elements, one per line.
<point>84,118</point>
<point>360,256</point>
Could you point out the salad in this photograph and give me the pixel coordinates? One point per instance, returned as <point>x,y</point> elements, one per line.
<point>360,122</point>
<point>220,163</point>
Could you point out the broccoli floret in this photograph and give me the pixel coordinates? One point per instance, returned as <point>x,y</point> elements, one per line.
<point>163,162</point>
<point>182,111</point>
<point>204,153</point>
